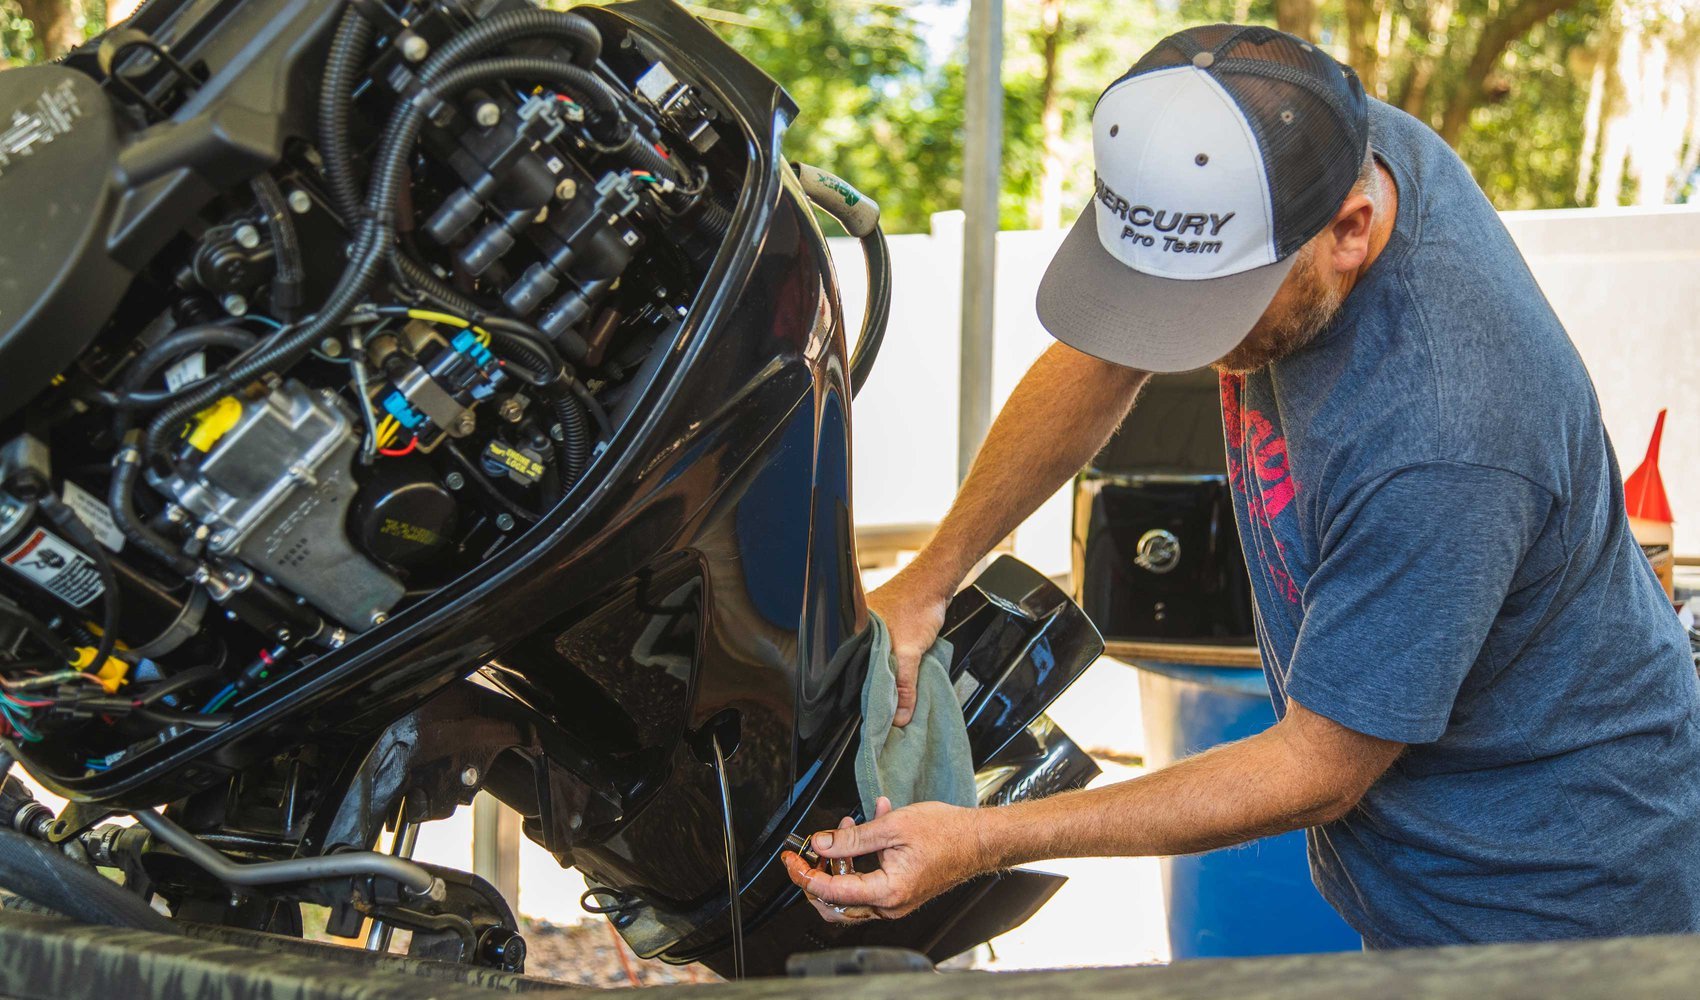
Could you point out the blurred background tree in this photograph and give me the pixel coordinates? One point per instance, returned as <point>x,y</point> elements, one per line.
<point>1551,103</point>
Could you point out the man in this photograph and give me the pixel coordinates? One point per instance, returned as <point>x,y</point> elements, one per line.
<point>1487,709</point>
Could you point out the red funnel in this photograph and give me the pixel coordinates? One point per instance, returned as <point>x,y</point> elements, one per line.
<point>1644,490</point>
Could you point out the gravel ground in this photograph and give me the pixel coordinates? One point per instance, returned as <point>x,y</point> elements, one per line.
<point>592,954</point>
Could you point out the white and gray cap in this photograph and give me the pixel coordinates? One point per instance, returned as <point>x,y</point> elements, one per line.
<point>1219,154</point>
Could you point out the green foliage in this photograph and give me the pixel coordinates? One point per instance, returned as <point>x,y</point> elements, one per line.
<point>1523,144</point>
<point>874,110</point>
<point>886,113</point>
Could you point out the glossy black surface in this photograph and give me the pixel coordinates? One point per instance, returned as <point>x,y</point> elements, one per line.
<point>701,581</point>
<point>1165,470</point>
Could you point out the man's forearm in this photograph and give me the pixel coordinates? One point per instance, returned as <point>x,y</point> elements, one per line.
<point>1059,416</point>
<point>1268,784</point>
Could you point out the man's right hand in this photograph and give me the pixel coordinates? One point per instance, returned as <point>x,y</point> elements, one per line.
<point>914,614</point>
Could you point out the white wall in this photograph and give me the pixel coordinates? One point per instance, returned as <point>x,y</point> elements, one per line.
<point>1626,282</point>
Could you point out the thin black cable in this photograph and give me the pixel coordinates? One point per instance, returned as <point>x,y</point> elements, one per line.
<point>290,270</point>
<point>72,527</point>
<point>35,626</point>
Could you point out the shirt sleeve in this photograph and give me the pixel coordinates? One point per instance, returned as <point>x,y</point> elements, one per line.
<point>1414,568</point>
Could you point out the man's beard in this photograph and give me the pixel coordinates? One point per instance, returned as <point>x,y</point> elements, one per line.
<point>1273,339</point>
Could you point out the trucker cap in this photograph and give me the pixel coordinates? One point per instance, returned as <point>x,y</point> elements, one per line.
<point>1221,152</point>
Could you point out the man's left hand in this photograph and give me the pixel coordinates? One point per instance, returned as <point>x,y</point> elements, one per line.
<point>923,850</point>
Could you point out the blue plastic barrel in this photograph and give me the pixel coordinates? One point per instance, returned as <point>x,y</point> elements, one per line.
<point>1256,899</point>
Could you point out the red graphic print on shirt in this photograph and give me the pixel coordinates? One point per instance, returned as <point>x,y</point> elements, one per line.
<point>1254,441</point>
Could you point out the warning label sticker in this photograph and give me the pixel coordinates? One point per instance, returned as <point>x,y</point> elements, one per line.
<point>93,512</point>
<point>54,566</point>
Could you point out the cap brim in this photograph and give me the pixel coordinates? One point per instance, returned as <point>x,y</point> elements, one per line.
<point>1094,303</point>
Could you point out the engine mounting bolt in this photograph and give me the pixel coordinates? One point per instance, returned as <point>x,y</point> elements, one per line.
<point>466,423</point>
<point>505,521</point>
<point>567,190</point>
<point>235,304</point>
<point>557,433</point>
<point>247,237</point>
<point>415,49</point>
<point>378,618</point>
<point>176,514</point>
<point>338,637</point>
<point>469,777</point>
<point>300,202</point>
<point>201,532</point>
<point>511,410</point>
<point>454,480</point>
<point>331,346</point>
<point>487,114</point>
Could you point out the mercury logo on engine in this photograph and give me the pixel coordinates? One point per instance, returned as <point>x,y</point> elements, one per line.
<point>56,111</point>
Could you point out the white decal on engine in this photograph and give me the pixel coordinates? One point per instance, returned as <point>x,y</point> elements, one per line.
<point>53,565</point>
<point>56,111</point>
<point>93,512</point>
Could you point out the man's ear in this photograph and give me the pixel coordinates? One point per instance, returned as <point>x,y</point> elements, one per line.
<point>1351,232</point>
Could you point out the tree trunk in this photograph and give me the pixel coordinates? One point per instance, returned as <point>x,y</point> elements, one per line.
<point>55,24</point>
<point>1622,91</point>
<point>1297,17</point>
<point>1363,41</point>
<point>1497,36</point>
<point>1048,213</point>
<point>1592,117</point>
<point>1433,21</point>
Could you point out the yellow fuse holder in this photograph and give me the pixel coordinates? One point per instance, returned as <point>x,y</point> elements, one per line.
<point>214,422</point>
<point>111,674</point>
<point>519,463</point>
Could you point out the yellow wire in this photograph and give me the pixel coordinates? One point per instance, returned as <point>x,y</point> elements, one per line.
<point>386,431</point>
<point>437,317</point>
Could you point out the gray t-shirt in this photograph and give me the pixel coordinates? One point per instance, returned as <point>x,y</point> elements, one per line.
<point>1434,524</point>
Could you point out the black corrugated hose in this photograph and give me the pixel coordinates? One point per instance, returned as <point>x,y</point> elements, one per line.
<point>336,99</point>
<point>44,875</point>
<point>579,34</point>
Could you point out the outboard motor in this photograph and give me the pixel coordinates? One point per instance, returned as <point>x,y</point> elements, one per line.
<point>404,400</point>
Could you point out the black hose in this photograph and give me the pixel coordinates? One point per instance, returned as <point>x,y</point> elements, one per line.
<point>577,32</point>
<point>635,149</point>
<point>72,527</point>
<point>604,122</point>
<point>45,875</point>
<point>868,342</point>
<point>594,405</point>
<point>129,394</point>
<point>574,446</point>
<point>290,271</point>
<point>281,350</point>
<point>125,467</point>
<point>336,100</point>
<point>177,682</point>
<point>429,286</point>
<point>39,629</point>
<point>375,243</point>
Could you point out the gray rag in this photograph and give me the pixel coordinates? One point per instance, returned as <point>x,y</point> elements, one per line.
<point>925,761</point>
